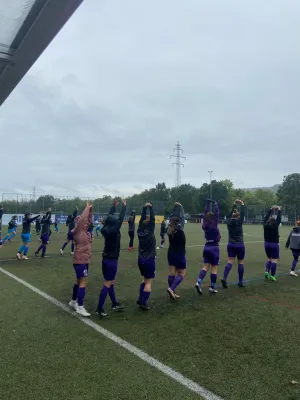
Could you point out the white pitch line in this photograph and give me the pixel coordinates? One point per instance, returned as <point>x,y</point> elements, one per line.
<point>176,376</point>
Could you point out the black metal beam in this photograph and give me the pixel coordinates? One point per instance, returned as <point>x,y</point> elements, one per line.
<point>47,23</point>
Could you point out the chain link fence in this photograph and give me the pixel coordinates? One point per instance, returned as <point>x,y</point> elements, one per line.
<point>18,203</point>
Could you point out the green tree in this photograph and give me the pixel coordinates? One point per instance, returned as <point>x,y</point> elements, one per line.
<point>266,197</point>
<point>289,191</point>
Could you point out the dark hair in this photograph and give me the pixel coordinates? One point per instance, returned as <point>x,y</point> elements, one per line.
<point>209,216</point>
<point>130,218</point>
<point>173,224</point>
<point>235,214</point>
<point>146,221</point>
<point>271,221</point>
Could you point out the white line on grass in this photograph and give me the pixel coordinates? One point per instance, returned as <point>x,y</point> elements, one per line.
<point>176,376</point>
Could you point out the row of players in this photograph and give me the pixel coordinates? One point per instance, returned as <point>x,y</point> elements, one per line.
<point>81,238</point>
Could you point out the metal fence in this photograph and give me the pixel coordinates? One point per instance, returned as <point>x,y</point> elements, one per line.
<point>19,203</point>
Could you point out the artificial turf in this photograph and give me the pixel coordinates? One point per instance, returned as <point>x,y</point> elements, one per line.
<point>241,344</point>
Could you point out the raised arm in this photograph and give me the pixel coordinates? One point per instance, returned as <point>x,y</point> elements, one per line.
<point>85,219</point>
<point>151,225</point>
<point>267,216</point>
<point>33,219</point>
<point>216,214</point>
<point>143,215</point>
<point>48,216</point>
<point>75,213</point>
<point>206,209</point>
<point>279,217</point>
<point>231,212</point>
<point>133,216</point>
<point>178,212</point>
<point>242,213</point>
<point>122,214</point>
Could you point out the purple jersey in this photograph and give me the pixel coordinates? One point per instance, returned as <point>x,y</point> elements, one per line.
<point>211,229</point>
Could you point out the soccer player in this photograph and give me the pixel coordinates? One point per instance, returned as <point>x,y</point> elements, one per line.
<point>38,226</point>
<point>56,226</point>
<point>293,242</point>
<point>110,256</point>
<point>271,236</point>
<point>98,228</point>
<point>235,247</point>
<point>131,230</point>
<point>147,253</point>
<point>70,222</point>
<point>211,251</point>
<point>45,235</point>
<point>163,232</point>
<point>81,259</point>
<point>91,230</point>
<point>176,251</point>
<point>12,229</point>
<point>26,235</point>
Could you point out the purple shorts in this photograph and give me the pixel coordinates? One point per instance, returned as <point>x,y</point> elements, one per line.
<point>272,250</point>
<point>70,236</point>
<point>236,250</point>
<point>147,267</point>
<point>81,270</point>
<point>211,255</point>
<point>177,260</point>
<point>45,238</point>
<point>110,269</point>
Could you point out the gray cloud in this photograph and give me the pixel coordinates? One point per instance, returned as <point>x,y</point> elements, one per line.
<point>104,105</point>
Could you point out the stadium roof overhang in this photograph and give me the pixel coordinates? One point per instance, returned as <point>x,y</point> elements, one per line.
<point>26,28</point>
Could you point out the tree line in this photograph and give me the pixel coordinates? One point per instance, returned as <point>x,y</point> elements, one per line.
<point>192,198</point>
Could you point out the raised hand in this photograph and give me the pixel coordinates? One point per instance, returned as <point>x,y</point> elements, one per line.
<point>124,202</point>
<point>178,204</point>
<point>148,205</point>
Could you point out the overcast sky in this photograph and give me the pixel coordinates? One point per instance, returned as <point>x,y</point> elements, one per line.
<point>103,107</point>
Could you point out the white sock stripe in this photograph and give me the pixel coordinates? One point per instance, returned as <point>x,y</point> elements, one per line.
<point>176,376</point>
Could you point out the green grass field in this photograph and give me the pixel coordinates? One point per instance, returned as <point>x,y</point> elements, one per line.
<point>241,344</point>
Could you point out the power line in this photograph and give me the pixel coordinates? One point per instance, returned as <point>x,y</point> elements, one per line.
<point>178,156</point>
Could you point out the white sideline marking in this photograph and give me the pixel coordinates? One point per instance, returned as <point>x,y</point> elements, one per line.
<point>176,376</point>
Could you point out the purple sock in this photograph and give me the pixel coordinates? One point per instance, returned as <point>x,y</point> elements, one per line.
<point>102,297</point>
<point>81,295</point>
<point>201,276</point>
<point>75,292</point>
<point>39,249</point>
<point>112,295</point>
<point>268,266</point>
<point>226,271</point>
<point>44,250</point>
<point>273,268</point>
<point>142,287</point>
<point>213,280</point>
<point>177,281</point>
<point>294,263</point>
<point>64,245</point>
<point>72,247</point>
<point>145,297</point>
<point>241,272</point>
<point>171,280</point>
